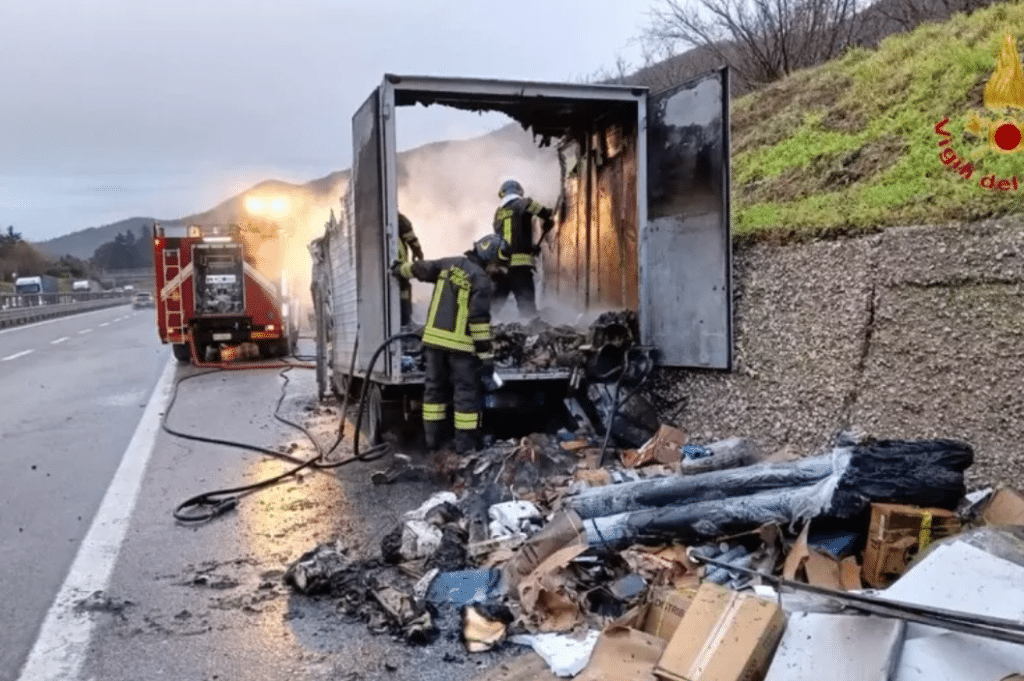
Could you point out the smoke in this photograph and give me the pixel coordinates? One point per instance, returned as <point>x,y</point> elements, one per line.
<point>308,212</point>
<point>449,191</point>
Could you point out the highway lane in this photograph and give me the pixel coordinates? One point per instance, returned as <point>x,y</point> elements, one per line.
<point>72,391</point>
<point>179,602</point>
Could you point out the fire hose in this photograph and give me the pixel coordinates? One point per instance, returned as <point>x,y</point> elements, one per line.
<point>218,502</point>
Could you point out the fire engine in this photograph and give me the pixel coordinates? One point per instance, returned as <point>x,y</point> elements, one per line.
<point>223,284</point>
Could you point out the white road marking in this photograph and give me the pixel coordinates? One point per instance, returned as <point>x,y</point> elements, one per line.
<point>63,640</point>
<point>105,324</point>
<point>51,321</point>
<point>85,331</point>
<point>16,355</point>
<point>59,340</point>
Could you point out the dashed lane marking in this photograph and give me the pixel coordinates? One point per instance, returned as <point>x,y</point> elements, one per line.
<point>59,340</point>
<point>16,355</point>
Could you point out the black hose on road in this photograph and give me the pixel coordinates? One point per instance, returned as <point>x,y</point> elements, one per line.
<point>218,502</point>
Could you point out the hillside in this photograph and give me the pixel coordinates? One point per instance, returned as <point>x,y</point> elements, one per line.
<point>310,202</point>
<point>851,146</point>
<point>857,132</point>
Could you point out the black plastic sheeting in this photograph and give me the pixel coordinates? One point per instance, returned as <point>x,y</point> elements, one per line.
<point>928,473</point>
<point>919,473</point>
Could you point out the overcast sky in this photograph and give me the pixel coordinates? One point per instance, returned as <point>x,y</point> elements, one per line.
<point>111,109</point>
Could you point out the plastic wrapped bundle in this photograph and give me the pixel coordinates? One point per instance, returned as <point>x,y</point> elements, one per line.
<point>928,473</point>
<point>596,502</point>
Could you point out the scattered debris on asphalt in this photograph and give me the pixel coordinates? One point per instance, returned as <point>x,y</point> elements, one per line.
<point>682,560</point>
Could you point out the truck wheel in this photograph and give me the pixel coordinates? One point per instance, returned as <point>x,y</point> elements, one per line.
<point>182,352</point>
<point>370,425</point>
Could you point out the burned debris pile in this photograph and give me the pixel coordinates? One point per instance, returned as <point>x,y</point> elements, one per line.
<point>626,567</point>
<point>538,346</point>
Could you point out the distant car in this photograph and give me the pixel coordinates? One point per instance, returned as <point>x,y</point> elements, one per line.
<point>143,299</point>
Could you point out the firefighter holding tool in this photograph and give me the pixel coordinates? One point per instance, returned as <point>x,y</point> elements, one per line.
<point>457,339</point>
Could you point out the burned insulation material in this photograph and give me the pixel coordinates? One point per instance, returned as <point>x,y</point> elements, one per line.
<point>537,346</point>
<point>369,591</point>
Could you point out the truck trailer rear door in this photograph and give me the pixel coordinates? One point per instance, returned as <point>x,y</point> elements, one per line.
<point>369,199</point>
<point>685,247</point>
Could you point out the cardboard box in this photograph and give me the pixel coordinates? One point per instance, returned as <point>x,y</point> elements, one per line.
<point>821,568</point>
<point>664,448</point>
<point>724,636</point>
<point>665,610</point>
<point>623,654</point>
<point>1006,507</point>
<point>897,534</point>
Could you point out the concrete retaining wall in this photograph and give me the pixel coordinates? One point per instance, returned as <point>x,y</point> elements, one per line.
<point>912,333</point>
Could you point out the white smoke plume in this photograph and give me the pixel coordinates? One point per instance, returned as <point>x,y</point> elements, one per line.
<point>448,190</point>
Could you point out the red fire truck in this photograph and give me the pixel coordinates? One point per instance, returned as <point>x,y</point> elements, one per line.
<point>223,284</point>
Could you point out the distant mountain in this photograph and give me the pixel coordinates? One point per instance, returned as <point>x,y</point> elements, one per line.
<point>473,167</point>
<point>83,244</point>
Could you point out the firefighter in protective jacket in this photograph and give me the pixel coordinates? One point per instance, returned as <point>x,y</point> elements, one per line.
<point>457,337</point>
<point>513,221</point>
<point>408,245</point>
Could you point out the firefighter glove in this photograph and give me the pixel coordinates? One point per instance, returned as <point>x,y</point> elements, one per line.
<point>396,269</point>
<point>417,252</point>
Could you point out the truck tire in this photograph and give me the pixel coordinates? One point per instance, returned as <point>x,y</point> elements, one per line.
<point>182,352</point>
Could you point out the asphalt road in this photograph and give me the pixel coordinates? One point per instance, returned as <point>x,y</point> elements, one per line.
<point>71,393</point>
<point>106,586</point>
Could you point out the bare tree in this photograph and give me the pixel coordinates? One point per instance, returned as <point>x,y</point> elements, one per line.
<point>890,16</point>
<point>761,40</point>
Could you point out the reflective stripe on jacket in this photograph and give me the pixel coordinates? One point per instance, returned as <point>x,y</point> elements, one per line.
<point>513,221</point>
<point>459,317</point>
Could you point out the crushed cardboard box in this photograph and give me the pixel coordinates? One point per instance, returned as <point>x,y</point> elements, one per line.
<point>820,568</point>
<point>663,448</point>
<point>665,610</point>
<point>564,530</point>
<point>723,636</point>
<point>898,533</point>
<point>1006,507</point>
<point>623,654</point>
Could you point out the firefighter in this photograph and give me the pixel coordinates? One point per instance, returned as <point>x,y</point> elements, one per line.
<point>408,245</point>
<point>513,221</point>
<point>457,337</point>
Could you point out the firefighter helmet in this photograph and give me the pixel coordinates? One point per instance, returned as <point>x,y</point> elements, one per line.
<point>493,249</point>
<point>510,187</point>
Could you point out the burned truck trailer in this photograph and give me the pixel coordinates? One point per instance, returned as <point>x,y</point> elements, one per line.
<point>222,284</point>
<point>642,223</point>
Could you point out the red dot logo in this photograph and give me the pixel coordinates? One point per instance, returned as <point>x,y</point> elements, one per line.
<point>1007,137</point>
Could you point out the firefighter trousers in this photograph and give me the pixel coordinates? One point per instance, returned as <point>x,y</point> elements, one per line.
<point>518,282</point>
<point>405,302</point>
<point>451,377</point>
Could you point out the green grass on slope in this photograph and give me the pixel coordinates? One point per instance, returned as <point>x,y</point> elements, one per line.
<point>851,146</point>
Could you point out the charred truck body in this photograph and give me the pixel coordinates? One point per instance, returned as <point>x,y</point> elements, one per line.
<point>642,224</point>
<point>222,285</point>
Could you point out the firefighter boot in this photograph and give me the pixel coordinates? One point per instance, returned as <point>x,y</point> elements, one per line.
<point>465,442</point>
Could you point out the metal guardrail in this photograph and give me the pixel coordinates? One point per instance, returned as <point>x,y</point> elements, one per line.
<point>15,310</point>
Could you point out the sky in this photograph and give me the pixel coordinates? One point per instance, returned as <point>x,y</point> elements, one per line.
<point>111,109</point>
